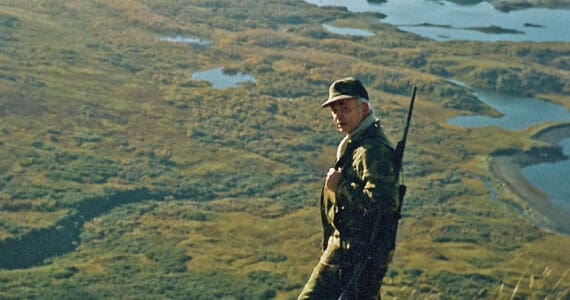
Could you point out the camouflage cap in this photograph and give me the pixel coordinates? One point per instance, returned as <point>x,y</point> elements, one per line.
<point>344,89</point>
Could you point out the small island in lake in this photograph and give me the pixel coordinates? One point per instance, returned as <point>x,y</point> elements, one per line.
<point>533,25</point>
<point>495,30</point>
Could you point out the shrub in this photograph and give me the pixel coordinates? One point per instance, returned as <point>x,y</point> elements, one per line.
<point>87,137</point>
<point>8,21</point>
<point>412,274</point>
<point>65,273</point>
<point>272,257</point>
<point>193,216</point>
<point>169,257</point>
<point>273,280</point>
<point>464,286</point>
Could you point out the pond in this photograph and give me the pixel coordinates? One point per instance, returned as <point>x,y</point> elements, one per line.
<point>185,40</point>
<point>445,20</point>
<point>348,31</point>
<point>221,80</point>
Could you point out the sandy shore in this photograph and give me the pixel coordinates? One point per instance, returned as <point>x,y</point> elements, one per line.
<point>507,166</point>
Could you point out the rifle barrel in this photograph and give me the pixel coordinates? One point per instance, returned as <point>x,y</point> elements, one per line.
<point>399,151</point>
<point>409,118</point>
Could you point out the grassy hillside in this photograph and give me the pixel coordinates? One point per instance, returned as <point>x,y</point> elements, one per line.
<point>120,177</point>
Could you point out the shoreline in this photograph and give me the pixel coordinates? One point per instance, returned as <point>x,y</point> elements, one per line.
<point>507,167</point>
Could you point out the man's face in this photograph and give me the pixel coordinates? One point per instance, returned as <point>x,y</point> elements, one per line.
<point>347,114</point>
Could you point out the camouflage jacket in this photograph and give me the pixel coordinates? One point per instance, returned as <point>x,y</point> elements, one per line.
<point>368,187</point>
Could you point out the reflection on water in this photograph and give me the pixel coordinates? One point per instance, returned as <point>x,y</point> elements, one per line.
<point>348,31</point>
<point>221,80</point>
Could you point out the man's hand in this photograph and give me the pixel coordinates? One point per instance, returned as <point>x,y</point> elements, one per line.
<point>333,177</point>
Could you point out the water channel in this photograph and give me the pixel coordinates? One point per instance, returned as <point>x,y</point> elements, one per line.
<point>445,20</point>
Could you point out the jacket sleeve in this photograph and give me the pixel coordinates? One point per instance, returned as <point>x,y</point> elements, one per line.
<point>327,228</point>
<point>374,167</point>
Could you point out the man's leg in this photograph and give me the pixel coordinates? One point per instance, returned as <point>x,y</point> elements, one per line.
<point>372,282</point>
<point>324,283</point>
<point>373,273</point>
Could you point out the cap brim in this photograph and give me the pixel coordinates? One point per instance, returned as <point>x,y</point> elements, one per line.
<point>339,97</point>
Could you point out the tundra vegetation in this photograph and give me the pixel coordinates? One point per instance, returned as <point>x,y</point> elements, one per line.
<point>120,177</point>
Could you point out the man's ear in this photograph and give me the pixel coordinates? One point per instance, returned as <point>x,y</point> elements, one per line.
<point>365,108</point>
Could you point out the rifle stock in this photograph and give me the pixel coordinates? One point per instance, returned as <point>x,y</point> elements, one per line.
<point>351,289</point>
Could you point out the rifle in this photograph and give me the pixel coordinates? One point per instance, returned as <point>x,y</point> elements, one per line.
<point>399,155</point>
<point>351,289</point>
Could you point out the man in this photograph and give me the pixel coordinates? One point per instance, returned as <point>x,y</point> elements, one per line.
<point>360,187</point>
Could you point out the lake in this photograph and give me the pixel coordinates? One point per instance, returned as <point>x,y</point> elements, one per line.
<point>221,80</point>
<point>453,20</point>
<point>519,113</point>
<point>552,178</point>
